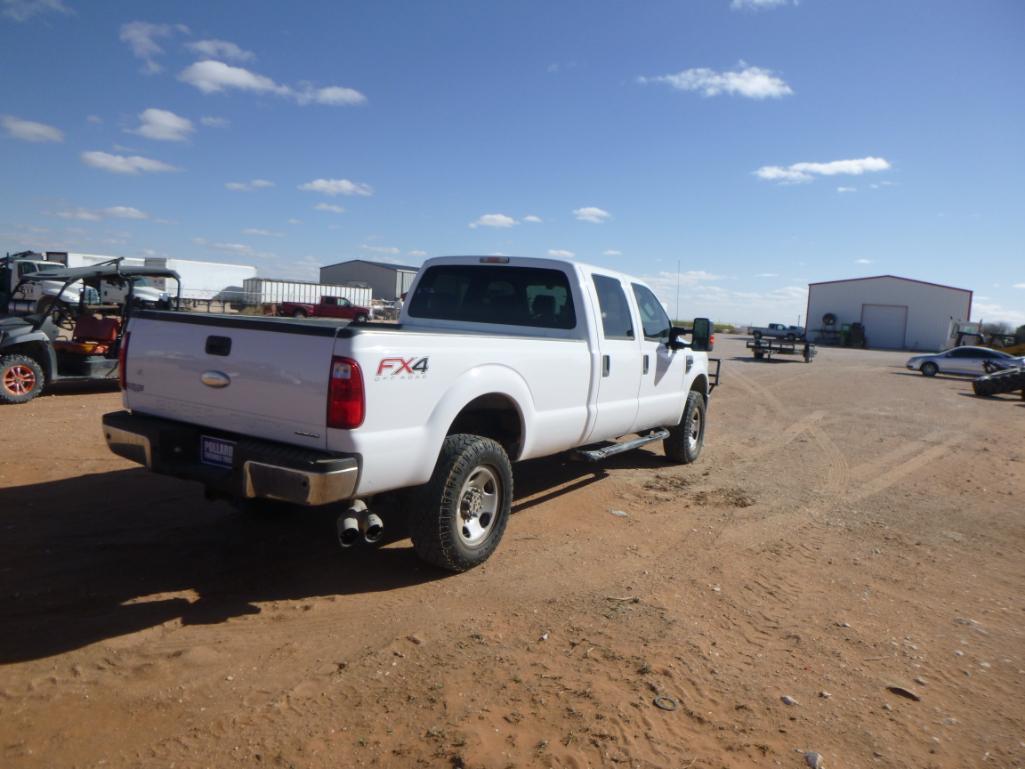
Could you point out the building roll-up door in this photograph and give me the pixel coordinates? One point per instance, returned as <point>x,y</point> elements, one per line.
<point>885,325</point>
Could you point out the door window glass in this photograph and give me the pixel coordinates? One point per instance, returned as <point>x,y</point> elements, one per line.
<point>616,319</point>
<point>654,319</point>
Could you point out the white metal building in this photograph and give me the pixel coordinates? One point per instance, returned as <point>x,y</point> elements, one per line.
<point>897,313</point>
<point>388,281</point>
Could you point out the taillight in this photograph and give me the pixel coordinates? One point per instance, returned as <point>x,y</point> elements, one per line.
<point>346,405</point>
<point>122,358</point>
<point>711,342</point>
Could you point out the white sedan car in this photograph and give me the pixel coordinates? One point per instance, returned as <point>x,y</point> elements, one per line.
<point>961,360</point>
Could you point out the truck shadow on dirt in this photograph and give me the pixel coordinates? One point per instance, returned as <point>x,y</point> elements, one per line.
<point>99,556</point>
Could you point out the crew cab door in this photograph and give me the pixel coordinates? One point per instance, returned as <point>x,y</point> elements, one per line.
<point>663,371</point>
<point>619,361</point>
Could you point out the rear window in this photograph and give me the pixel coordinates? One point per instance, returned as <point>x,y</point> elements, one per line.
<point>515,296</point>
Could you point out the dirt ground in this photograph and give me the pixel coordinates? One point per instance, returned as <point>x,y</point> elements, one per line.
<point>850,527</point>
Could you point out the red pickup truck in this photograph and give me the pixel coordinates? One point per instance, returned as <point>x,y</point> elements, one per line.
<point>327,307</point>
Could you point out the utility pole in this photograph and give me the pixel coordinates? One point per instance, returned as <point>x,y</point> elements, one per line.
<point>676,316</point>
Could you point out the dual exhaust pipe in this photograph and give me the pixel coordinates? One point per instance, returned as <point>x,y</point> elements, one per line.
<point>358,522</point>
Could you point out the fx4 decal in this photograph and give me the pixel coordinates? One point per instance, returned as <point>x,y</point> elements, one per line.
<point>401,368</point>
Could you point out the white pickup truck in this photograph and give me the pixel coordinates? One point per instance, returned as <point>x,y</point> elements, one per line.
<point>494,360</point>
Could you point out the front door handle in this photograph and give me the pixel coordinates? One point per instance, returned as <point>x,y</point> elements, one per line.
<point>645,368</point>
<point>606,365</point>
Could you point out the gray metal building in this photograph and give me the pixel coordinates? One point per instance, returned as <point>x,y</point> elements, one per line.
<point>897,313</point>
<point>387,281</point>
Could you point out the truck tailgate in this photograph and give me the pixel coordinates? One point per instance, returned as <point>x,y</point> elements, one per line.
<point>261,377</point>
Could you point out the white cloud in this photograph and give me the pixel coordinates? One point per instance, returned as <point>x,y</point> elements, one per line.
<point>805,172</point>
<point>417,253</point>
<point>23,10</point>
<point>1019,285</point>
<point>381,249</point>
<point>122,164</point>
<point>254,184</point>
<point>94,119</point>
<point>293,220</point>
<point>750,82</point>
<point>846,189</point>
<point>262,233</point>
<point>97,214</point>
<point>560,253</point>
<point>215,76</point>
<point>329,207</point>
<point>767,275</point>
<point>220,49</point>
<point>992,312</point>
<point>592,214</point>
<point>758,5</point>
<point>125,212</point>
<point>241,249</point>
<point>163,125</point>
<point>533,219</point>
<point>863,261</point>
<point>141,37</point>
<point>500,221</point>
<point>333,95</point>
<point>611,252</point>
<point>28,131</point>
<point>334,187</point>
<point>705,298</point>
<point>215,122</point>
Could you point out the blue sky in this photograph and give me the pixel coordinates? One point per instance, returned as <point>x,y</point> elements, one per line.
<point>759,144</point>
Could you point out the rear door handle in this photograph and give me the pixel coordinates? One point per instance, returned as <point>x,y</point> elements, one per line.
<point>645,369</point>
<point>606,365</point>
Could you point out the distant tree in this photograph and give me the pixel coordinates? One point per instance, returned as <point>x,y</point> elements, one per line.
<point>999,327</point>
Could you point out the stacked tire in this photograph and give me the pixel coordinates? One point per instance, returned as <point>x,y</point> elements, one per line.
<point>1000,382</point>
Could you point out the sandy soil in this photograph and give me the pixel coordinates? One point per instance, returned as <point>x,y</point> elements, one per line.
<point>850,527</point>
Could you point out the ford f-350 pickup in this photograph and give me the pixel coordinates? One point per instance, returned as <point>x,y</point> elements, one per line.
<point>494,360</point>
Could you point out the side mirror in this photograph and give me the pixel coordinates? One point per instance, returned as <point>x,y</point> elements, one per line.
<point>676,335</point>
<point>701,338</point>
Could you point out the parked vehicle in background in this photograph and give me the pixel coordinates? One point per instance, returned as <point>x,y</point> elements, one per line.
<point>24,296</point>
<point>268,291</point>
<point>494,360</point>
<point>327,307</point>
<point>34,351</point>
<point>961,360</point>
<point>778,331</point>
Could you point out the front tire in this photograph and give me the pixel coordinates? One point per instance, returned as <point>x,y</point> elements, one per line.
<point>465,506</point>
<point>360,320</point>
<point>21,379</point>
<point>686,439</point>
<point>929,368</point>
<point>757,335</point>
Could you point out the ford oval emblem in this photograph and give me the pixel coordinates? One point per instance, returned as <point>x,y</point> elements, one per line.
<point>215,379</point>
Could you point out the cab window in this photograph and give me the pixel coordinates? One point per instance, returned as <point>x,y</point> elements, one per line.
<point>654,318</point>
<point>616,318</point>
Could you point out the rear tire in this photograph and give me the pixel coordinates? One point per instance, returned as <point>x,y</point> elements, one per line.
<point>463,510</point>
<point>686,439</point>
<point>757,334</point>
<point>299,314</point>
<point>21,379</point>
<point>929,368</point>
<point>360,319</point>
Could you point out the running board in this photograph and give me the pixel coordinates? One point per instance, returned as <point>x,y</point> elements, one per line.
<point>597,455</point>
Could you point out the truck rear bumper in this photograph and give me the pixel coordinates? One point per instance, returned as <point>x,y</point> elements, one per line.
<point>259,469</point>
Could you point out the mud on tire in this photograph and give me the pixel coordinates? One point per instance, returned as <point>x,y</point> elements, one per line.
<point>458,518</point>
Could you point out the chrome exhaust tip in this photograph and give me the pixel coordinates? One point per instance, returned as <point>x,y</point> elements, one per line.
<point>373,528</point>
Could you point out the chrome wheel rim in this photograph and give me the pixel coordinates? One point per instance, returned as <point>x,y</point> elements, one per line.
<point>694,433</point>
<point>19,380</point>
<point>478,505</point>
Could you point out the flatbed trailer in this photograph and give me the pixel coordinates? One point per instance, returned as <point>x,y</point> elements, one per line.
<point>764,348</point>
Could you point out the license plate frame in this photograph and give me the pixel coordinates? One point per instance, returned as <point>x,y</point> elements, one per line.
<point>216,452</point>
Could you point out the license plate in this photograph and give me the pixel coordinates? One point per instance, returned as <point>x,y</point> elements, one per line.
<point>216,451</point>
